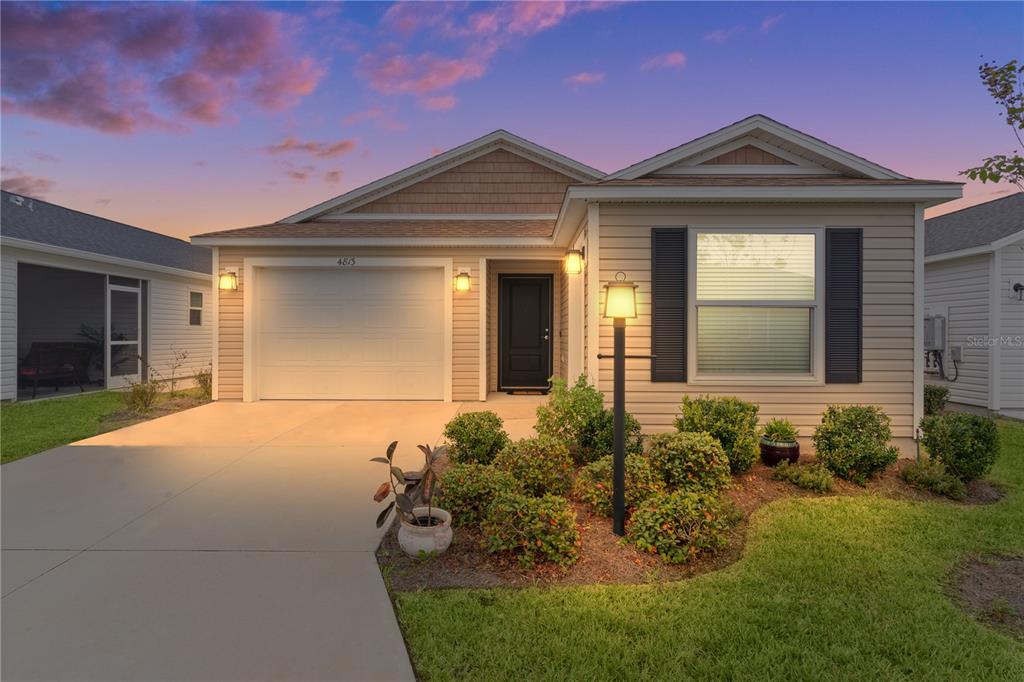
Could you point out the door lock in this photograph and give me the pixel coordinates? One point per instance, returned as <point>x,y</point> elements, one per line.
<point>547,335</point>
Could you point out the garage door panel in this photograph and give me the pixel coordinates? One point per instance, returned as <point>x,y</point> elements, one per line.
<point>354,333</point>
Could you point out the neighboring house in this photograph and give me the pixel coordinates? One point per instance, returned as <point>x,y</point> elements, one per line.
<point>88,303</point>
<point>770,265</point>
<point>974,281</point>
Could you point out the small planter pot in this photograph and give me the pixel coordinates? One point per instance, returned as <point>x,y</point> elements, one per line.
<point>419,540</point>
<point>774,451</point>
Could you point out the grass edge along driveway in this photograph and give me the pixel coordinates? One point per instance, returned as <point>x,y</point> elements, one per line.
<point>828,588</point>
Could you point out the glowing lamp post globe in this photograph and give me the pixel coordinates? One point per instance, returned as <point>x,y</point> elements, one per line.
<point>619,304</point>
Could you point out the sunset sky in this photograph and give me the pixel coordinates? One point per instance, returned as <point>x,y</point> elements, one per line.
<point>184,118</point>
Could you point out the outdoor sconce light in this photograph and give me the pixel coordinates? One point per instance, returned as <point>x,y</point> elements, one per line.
<point>574,262</point>
<point>620,298</point>
<point>462,281</point>
<point>228,281</point>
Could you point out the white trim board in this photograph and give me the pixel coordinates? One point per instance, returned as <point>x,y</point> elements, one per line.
<point>695,165</point>
<point>251,265</point>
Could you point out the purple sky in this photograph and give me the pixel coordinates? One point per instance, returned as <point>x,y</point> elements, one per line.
<point>184,118</point>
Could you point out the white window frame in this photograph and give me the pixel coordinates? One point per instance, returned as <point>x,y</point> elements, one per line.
<point>201,309</point>
<point>817,374</point>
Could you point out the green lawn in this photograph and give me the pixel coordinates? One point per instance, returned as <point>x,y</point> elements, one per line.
<point>846,588</point>
<point>33,426</point>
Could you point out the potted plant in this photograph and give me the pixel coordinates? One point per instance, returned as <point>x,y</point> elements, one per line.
<point>778,442</point>
<point>424,529</point>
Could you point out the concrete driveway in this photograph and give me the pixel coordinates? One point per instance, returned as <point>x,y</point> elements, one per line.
<point>229,542</point>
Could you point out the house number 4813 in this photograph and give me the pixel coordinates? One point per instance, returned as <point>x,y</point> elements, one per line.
<point>347,261</point>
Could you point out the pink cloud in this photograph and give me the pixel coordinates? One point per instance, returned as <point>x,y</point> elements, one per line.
<point>585,78</point>
<point>393,73</point>
<point>320,150</point>
<point>103,202</point>
<point>333,176</point>
<point>669,60</point>
<point>120,68</point>
<point>769,22</point>
<point>382,117</point>
<point>19,182</point>
<point>439,103</point>
<point>43,156</point>
<point>723,34</point>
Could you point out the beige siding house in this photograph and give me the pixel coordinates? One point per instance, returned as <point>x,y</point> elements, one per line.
<point>769,265</point>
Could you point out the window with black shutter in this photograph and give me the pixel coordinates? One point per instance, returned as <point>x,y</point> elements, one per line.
<point>668,303</point>
<point>844,305</point>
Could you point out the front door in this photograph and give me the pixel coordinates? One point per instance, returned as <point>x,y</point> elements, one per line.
<point>524,331</point>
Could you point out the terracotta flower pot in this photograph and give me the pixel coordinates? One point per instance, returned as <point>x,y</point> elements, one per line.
<point>418,540</point>
<point>773,452</point>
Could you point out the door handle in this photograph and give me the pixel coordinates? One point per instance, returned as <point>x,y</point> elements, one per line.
<point>547,335</point>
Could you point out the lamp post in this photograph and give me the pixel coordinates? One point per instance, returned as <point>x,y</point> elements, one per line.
<point>619,304</point>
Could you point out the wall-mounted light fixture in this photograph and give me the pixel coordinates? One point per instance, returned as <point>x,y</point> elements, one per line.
<point>228,281</point>
<point>573,262</point>
<point>462,281</point>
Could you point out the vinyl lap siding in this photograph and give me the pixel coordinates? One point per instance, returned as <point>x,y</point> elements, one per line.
<point>1011,364</point>
<point>888,308</point>
<point>961,286</point>
<point>170,330</point>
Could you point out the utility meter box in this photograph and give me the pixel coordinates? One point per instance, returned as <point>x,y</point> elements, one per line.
<point>934,332</point>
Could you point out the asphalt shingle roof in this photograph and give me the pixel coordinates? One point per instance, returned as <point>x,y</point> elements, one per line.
<point>975,226</point>
<point>398,228</point>
<point>40,221</point>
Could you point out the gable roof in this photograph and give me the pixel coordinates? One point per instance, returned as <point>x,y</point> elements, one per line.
<point>782,137</point>
<point>330,229</point>
<point>499,139</point>
<point>981,225</point>
<point>32,220</point>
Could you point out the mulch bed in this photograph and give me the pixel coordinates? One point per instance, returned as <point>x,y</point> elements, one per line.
<point>991,588</point>
<point>119,420</point>
<point>606,559</point>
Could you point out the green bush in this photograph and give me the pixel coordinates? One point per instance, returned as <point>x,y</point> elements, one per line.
<point>935,398</point>
<point>204,382</point>
<point>930,474</point>
<point>576,416</point>
<point>690,461</point>
<point>467,490</point>
<point>534,529</point>
<point>966,443</point>
<point>541,465</point>
<point>594,483</point>
<point>814,476</point>
<point>853,441</point>
<point>475,437</point>
<point>780,431</point>
<point>732,421</point>
<point>141,396</point>
<point>679,526</point>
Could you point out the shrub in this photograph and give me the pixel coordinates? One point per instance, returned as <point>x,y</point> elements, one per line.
<point>690,461</point>
<point>541,465</point>
<point>534,529</point>
<point>204,382</point>
<point>594,483</point>
<point>140,397</point>
<point>576,416</point>
<point>814,476</point>
<point>732,421</point>
<point>475,437</point>
<point>935,398</point>
<point>853,441</point>
<point>780,431</point>
<point>966,443</point>
<point>467,490</point>
<point>679,526</point>
<point>930,474</point>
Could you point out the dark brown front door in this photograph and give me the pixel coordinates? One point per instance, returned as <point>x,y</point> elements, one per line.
<point>524,331</point>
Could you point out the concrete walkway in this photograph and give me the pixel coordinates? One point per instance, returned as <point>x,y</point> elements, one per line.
<point>229,542</point>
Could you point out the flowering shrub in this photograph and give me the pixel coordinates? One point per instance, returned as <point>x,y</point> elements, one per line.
<point>690,461</point>
<point>467,490</point>
<point>594,483</point>
<point>541,465</point>
<point>966,443</point>
<point>533,529</point>
<point>853,441</point>
<point>475,437</point>
<point>679,526</point>
<point>732,421</point>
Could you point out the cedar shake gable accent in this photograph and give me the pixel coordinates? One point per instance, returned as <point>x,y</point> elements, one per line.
<point>748,155</point>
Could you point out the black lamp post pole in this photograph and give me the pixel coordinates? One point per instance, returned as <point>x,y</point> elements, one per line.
<point>619,399</point>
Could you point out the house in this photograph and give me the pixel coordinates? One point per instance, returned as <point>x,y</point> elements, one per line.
<point>974,295</point>
<point>769,265</point>
<point>88,303</point>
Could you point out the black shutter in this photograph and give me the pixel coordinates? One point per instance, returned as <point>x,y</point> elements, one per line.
<point>844,307</point>
<point>668,304</point>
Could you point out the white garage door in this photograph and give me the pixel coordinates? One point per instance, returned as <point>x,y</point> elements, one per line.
<point>372,333</point>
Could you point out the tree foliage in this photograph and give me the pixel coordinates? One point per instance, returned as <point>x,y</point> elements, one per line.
<point>1004,83</point>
